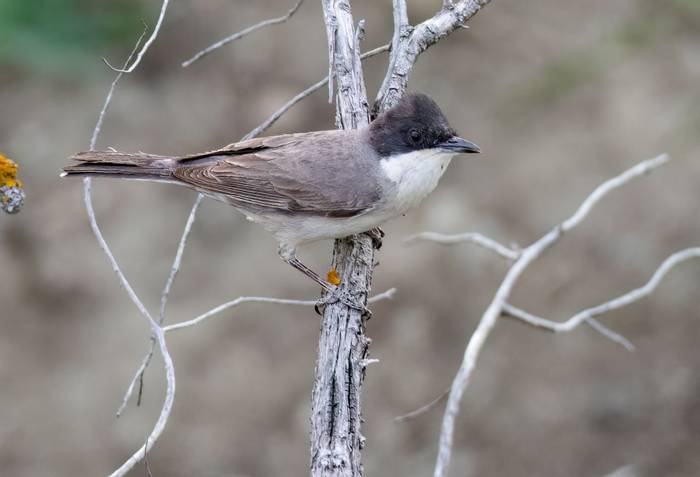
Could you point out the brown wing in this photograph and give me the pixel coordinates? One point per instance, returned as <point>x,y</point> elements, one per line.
<point>287,173</point>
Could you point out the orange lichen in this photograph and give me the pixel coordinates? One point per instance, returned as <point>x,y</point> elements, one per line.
<point>8,173</point>
<point>332,277</point>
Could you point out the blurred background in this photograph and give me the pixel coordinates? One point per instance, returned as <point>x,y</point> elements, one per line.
<point>559,95</point>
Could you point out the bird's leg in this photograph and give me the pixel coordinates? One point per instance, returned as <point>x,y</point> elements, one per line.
<point>294,262</point>
<point>376,234</point>
<point>334,293</point>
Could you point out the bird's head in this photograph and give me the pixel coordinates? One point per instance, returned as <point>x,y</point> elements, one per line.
<point>416,123</point>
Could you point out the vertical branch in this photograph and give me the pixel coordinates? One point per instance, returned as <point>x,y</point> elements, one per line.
<point>336,441</point>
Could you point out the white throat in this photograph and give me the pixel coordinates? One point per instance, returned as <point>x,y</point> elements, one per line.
<point>414,175</point>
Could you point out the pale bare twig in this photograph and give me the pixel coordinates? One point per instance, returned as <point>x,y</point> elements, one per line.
<point>110,93</point>
<point>138,377</point>
<point>631,296</point>
<point>240,34</point>
<point>423,409</point>
<point>259,299</point>
<point>178,257</point>
<point>307,92</point>
<point>336,404</point>
<point>155,328</point>
<point>164,412</point>
<point>87,195</point>
<point>422,37</point>
<point>495,309</point>
<point>387,295</point>
<point>151,39</point>
<point>402,32</point>
<point>471,237</point>
<point>610,334</point>
<point>532,320</point>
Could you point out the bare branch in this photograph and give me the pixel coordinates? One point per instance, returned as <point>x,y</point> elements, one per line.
<point>138,377</point>
<point>532,320</point>
<point>422,37</point>
<point>139,455</point>
<point>423,409</point>
<point>307,92</point>
<point>178,258</point>
<point>402,32</point>
<point>611,335</point>
<point>471,237</point>
<point>336,406</point>
<point>108,99</point>
<point>495,309</point>
<point>623,300</point>
<point>636,171</point>
<point>146,45</point>
<point>243,33</point>
<point>260,299</point>
<point>87,197</point>
<point>155,328</point>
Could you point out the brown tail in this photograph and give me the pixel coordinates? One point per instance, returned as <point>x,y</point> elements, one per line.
<point>121,165</point>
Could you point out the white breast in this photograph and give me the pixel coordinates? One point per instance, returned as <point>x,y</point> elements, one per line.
<point>414,176</point>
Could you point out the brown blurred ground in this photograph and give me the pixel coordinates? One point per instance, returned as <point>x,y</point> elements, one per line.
<point>559,95</point>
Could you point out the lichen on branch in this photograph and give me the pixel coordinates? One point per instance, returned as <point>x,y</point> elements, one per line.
<point>11,188</point>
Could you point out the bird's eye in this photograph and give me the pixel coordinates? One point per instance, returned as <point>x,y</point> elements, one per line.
<point>415,136</point>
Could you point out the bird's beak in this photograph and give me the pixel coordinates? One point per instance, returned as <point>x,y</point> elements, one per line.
<point>458,145</point>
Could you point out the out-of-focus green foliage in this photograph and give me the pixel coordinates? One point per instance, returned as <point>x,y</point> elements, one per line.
<point>63,36</point>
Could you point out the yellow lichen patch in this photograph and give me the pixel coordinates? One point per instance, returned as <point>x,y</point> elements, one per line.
<point>8,173</point>
<point>332,277</point>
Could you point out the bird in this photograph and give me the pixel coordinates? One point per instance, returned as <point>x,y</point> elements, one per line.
<point>310,186</point>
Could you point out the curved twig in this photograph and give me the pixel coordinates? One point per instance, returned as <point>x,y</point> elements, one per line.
<point>240,34</point>
<point>495,309</point>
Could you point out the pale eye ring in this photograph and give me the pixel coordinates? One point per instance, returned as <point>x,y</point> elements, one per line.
<point>414,135</point>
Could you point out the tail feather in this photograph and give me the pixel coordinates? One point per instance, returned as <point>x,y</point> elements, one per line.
<point>121,165</point>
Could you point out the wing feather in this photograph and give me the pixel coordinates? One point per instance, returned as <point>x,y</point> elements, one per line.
<point>287,173</point>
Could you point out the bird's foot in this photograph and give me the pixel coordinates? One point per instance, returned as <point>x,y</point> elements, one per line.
<point>376,234</point>
<point>343,296</point>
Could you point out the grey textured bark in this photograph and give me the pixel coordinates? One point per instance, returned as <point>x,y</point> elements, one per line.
<point>410,42</point>
<point>336,440</point>
<point>336,414</point>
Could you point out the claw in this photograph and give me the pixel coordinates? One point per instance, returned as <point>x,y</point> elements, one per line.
<point>376,234</point>
<point>338,295</point>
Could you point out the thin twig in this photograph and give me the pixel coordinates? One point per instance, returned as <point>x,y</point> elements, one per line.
<point>307,92</point>
<point>422,37</point>
<point>402,32</point>
<point>108,99</point>
<point>259,299</point>
<point>495,309</point>
<point>623,300</point>
<point>240,34</point>
<point>610,334</point>
<point>164,412</point>
<point>138,377</point>
<point>471,237</point>
<point>146,45</point>
<point>178,257</point>
<point>423,409</point>
<point>511,311</point>
<point>387,295</point>
<point>155,328</point>
<point>87,195</point>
